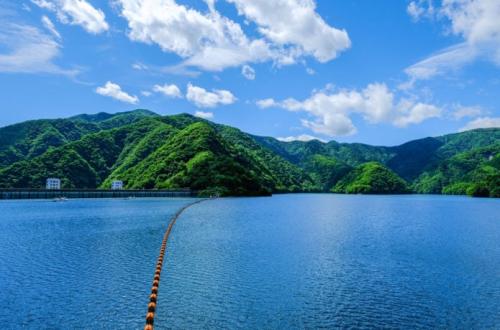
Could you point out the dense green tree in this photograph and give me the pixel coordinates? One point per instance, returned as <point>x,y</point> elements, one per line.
<point>474,172</point>
<point>146,150</point>
<point>371,178</point>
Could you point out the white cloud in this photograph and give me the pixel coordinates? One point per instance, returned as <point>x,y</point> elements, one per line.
<point>446,60</point>
<point>46,4</point>
<point>461,111</point>
<point>296,23</point>
<point>139,66</point>
<point>50,26</point>
<point>248,72</point>
<point>204,115</point>
<point>302,137</point>
<point>331,124</point>
<point>208,41</point>
<point>214,42</point>
<point>168,90</point>
<point>205,99</point>
<point>331,111</point>
<point>26,49</point>
<point>483,122</point>
<point>146,93</point>
<point>310,71</point>
<point>115,91</point>
<point>76,12</point>
<point>266,103</point>
<point>475,21</point>
<point>415,11</point>
<point>414,113</point>
<point>420,8</point>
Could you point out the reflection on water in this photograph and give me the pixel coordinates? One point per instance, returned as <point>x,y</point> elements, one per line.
<point>289,261</point>
<point>295,261</point>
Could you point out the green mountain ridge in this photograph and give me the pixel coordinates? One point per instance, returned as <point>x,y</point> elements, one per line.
<point>147,150</point>
<point>371,178</point>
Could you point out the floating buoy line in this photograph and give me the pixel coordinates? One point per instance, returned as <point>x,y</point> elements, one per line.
<point>153,297</point>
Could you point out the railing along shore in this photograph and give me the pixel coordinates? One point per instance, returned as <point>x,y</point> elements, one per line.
<point>92,193</point>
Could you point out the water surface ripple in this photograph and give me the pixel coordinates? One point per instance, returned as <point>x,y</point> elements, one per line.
<point>334,261</point>
<point>81,264</point>
<point>289,261</point>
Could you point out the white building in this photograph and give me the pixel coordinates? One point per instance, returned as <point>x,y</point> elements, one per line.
<point>53,183</point>
<point>117,185</point>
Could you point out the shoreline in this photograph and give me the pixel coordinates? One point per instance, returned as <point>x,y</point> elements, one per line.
<point>8,194</point>
<point>41,194</point>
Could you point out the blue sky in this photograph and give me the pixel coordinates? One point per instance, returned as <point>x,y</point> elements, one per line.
<point>377,72</point>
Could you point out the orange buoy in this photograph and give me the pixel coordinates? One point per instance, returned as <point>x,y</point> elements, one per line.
<point>159,263</point>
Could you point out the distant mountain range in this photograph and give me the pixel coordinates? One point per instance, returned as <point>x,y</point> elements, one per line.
<point>146,150</point>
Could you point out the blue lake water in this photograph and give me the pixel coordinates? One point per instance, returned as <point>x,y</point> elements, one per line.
<point>287,261</point>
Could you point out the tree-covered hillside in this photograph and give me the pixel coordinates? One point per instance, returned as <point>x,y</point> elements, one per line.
<point>32,138</point>
<point>475,172</point>
<point>146,150</point>
<point>149,151</point>
<point>419,162</point>
<point>371,178</point>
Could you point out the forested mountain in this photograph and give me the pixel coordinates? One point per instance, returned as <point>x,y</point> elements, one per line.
<point>32,138</point>
<point>371,178</point>
<point>146,150</point>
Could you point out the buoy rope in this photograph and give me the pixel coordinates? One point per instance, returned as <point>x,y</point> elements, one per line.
<point>150,316</point>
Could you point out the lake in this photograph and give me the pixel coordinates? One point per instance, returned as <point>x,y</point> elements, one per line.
<point>287,261</point>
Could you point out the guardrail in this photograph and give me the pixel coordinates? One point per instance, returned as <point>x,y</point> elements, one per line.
<point>92,193</point>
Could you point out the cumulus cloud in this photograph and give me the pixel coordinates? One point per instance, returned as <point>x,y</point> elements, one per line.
<point>414,113</point>
<point>76,12</point>
<point>295,22</point>
<point>205,99</point>
<point>266,103</point>
<point>331,110</point>
<point>248,72</point>
<point>168,90</point>
<point>214,42</point>
<point>482,122</point>
<point>419,9</point>
<point>50,26</point>
<point>414,10</point>
<point>475,21</point>
<point>302,137</point>
<point>26,49</point>
<point>204,115</point>
<point>206,40</point>
<point>115,91</point>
